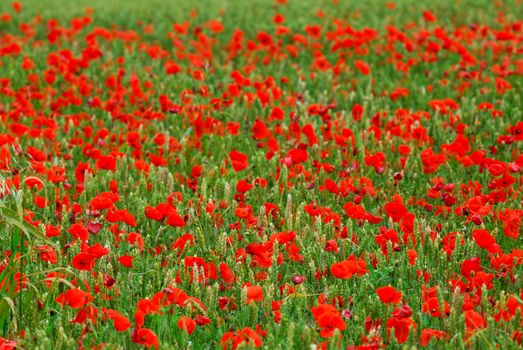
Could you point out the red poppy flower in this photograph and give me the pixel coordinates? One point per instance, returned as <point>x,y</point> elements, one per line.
<point>247,336</point>
<point>474,320</point>
<point>172,68</point>
<point>186,324</point>
<point>226,273</point>
<point>126,261</point>
<point>348,268</point>
<point>264,38</point>
<point>89,312</point>
<point>106,163</point>
<point>254,293</point>
<point>74,298</point>
<point>328,319</point>
<point>362,66</point>
<point>485,240</point>
<point>389,295</point>
<point>145,337</point>
<point>243,186</point>
<point>78,231</point>
<point>47,254</point>
<point>331,246</point>
<point>427,334</point>
<point>83,261</point>
<point>357,112</point>
<point>153,213</point>
<point>103,201</point>
<point>259,130</point>
<point>174,219</point>
<point>402,327</point>
<point>120,322</point>
<point>395,210</point>
<point>6,344</point>
<point>432,306</point>
<point>239,160</point>
<point>202,320</point>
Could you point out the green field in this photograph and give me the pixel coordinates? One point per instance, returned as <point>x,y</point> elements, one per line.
<point>261,174</point>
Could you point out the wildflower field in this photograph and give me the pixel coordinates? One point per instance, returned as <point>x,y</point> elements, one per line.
<point>273,174</point>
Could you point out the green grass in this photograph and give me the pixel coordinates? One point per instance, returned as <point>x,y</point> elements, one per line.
<point>73,129</point>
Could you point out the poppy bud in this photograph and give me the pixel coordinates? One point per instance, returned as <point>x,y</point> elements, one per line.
<point>403,312</point>
<point>298,279</point>
<point>346,314</point>
<point>476,219</point>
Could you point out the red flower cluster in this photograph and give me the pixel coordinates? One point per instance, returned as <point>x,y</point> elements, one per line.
<point>198,183</point>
